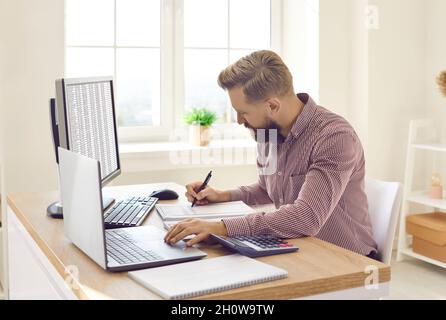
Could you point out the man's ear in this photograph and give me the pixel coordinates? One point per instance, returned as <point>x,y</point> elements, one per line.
<point>273,105</point>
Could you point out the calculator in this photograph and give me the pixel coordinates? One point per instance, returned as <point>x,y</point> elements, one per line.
<point>256,246</point>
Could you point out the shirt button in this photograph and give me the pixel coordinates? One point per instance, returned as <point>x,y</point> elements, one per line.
<point>279,173</point>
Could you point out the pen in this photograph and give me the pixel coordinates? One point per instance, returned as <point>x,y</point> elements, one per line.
<point>205,183</point>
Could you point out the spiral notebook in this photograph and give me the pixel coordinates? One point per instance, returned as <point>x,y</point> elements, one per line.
<point>191,279</point>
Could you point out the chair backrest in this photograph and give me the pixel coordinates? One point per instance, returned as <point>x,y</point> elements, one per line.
<point>384,200</point>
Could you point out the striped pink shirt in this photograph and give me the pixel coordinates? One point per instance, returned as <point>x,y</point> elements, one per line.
<point>317,187</point>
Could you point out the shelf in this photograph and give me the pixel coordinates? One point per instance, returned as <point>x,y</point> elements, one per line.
<point>430,146</point>
<point>421,197</point>
<point>409,252</point>
<point>418,197</point>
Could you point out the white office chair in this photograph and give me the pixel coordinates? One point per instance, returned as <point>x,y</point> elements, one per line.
<point>384,207</point>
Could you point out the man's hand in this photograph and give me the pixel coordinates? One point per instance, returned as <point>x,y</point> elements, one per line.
<point>201,228</point>
<point>208,195</point>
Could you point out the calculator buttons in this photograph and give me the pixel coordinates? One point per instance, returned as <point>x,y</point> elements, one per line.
<point>263,242</point>
<point>256,246</point>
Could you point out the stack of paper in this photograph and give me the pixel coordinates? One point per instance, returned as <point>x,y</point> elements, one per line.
<point>216,211</point>
<point>171,214</point>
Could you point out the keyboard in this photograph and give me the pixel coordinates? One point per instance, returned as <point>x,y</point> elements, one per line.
<point>123,250</point>
<point>256,246</point>
<point>129,212</point>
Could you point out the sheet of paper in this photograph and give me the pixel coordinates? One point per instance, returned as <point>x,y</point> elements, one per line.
<point>222,208</point>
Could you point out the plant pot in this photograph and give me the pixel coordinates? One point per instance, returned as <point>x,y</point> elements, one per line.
<point>436,192</point>
<point>199,135</point>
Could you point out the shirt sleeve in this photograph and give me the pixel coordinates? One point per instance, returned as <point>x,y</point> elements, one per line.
<point>333,163</point>
<point>254,194</point>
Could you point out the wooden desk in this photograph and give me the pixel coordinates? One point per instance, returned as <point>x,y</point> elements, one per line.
<point>319,267</point>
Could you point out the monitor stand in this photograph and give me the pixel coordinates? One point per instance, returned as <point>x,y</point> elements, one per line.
<point>55,209</point>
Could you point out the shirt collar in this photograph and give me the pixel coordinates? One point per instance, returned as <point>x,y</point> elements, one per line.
<point>305,117</point>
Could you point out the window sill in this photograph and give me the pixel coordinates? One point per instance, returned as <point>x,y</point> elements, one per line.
<point>158,156</point>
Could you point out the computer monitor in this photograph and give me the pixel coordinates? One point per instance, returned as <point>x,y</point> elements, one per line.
<point>87,121</point>
<point>83,120</point>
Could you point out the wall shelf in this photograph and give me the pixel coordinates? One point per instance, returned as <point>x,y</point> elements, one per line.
<point>409,252</point>
<point>421,197</point>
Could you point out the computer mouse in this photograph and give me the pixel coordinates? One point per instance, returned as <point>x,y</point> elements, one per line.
<point>165,194</point>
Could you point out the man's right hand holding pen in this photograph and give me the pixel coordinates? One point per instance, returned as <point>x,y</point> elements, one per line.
<point>206,196</point>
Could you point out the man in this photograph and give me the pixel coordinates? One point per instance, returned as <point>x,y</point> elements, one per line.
<point>318,182</point>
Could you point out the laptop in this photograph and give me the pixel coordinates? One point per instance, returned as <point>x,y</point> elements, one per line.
<point>113,249</point>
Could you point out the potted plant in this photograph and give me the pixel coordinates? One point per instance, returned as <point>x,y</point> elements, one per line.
<point>200,121</point>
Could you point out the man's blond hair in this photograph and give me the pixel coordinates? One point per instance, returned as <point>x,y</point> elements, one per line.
<point>260,74</point>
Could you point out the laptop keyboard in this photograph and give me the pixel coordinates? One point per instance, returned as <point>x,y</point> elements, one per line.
<point>121,247</point>
<point>129,212</point>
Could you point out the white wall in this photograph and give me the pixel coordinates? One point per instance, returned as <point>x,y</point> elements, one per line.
<point>375,78</point>
<point>358,108</point>
<point>397,64</point>
<point>301,44</point>
<point>2,77</point>
<point>344,62</point>
<point>435,56</point>
<point>33,57</point>
<point>335,55</point>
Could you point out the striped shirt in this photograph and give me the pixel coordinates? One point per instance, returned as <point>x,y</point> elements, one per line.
<point>317,186</point>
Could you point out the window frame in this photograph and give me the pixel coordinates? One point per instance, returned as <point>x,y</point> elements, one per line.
<point>167,92</point>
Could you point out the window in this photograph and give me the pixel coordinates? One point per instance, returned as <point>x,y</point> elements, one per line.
<point>216,34</point>
<point>165,55</point>
<point>105,37</point>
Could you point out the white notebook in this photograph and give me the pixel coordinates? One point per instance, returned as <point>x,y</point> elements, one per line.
<point>210,211</point>
<point>191,279</point>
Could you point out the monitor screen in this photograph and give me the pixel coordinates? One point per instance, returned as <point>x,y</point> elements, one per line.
<point>90,121</point>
